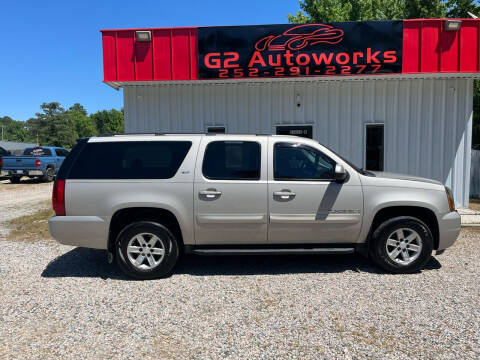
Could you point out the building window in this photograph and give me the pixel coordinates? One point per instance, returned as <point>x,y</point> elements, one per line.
<point>215,129</point>
<point>374,147</point>
<point>305,131</point>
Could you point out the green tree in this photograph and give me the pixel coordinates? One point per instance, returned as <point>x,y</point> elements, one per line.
<point>12,130</point>
<point>83,124</point>
<point>347,10</point>
<point>425,9</point>
<point>461,8</point>
<point>109,121</point>
<point>16,131</point>
<point>52,126</point>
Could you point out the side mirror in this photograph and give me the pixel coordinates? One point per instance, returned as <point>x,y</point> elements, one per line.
<point>340,173</point>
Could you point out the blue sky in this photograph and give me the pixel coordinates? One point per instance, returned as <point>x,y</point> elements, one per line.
<point>51,49</point>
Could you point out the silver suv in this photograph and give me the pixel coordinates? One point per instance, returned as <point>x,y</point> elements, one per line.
<point>148,198</point>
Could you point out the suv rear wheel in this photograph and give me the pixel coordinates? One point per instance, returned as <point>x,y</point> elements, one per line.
<point>146,250</point>
<point>402,245</point>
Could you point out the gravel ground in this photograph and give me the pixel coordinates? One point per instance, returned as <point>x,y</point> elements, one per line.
<point>64,302</point>
<point>21,199</point>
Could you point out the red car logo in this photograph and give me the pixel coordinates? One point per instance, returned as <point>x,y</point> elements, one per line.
<point>301,36</point>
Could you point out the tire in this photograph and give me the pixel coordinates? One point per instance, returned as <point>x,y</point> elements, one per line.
<point>15,179</point>
<point>49,175</point>
<point>152,265</point>
<point>389,252</point>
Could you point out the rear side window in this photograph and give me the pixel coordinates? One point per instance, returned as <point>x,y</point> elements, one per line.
<point>232,160</point>
<point>130,160</point>
<point>61,152</point>
<point>37,151</point>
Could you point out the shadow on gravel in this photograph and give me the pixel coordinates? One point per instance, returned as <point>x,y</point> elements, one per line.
<point>24,180</point>
<point>81,262</point>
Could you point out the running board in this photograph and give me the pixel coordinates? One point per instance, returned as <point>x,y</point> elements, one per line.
<point>279,251</point>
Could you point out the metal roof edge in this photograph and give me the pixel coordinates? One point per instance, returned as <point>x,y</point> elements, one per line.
<point>119,84</point>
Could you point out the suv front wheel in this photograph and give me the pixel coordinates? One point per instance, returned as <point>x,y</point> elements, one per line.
<point>146,250</point>
<point>402,245</point>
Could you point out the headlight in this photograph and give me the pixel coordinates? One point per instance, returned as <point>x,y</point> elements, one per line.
<point>451,202</point>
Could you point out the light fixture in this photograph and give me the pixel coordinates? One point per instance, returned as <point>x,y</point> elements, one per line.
<point>143,35</point>
<point>452,25</point>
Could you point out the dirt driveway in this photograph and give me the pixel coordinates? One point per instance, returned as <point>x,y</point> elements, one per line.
<point>21,199</point>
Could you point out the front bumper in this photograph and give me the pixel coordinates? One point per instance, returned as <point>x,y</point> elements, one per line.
<point>83,231</point>
<point>449,226</point>
<point>21,173</point>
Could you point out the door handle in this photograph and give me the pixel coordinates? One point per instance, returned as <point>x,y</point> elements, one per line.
<point>210,193</point>
<point>284,194</point>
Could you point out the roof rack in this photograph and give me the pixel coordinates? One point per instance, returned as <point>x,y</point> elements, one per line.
<point>175,133</point>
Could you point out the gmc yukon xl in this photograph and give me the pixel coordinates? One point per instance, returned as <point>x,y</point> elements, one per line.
<point>148,198</point>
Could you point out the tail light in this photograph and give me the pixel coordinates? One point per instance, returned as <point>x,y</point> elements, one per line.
<point>58,197</point>
<point>1,163</point>
<point>37,163</point>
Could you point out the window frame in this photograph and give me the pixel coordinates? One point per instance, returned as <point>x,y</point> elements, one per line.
<point>301,146</point>
<point>233,141</point>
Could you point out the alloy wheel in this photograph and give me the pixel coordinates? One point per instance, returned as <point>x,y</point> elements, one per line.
<point>404,246</point>
<point>145,251</point>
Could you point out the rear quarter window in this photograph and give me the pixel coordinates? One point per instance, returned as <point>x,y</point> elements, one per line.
<point>61,152</point>
<point>130,160</point>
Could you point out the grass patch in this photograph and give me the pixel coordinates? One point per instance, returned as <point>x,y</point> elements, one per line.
<point>33,227</point>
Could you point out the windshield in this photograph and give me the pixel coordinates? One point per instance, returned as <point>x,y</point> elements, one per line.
<point>37,151</point>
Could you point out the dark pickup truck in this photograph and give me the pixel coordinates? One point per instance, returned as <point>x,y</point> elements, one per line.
<point>41,161</point>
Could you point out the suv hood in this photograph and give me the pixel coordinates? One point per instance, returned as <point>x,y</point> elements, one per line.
<point>387,175</point>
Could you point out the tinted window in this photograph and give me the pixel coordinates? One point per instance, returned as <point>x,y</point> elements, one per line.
<point>300,162</point>
<point>70,159</point>
<point>3,151</point>
<point>130,160</point>
<point>232,160</point>
<point>61,152</point>
<point>37,151</point>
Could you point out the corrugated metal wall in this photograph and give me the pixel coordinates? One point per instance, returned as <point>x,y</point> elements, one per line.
<point>427,121</point>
